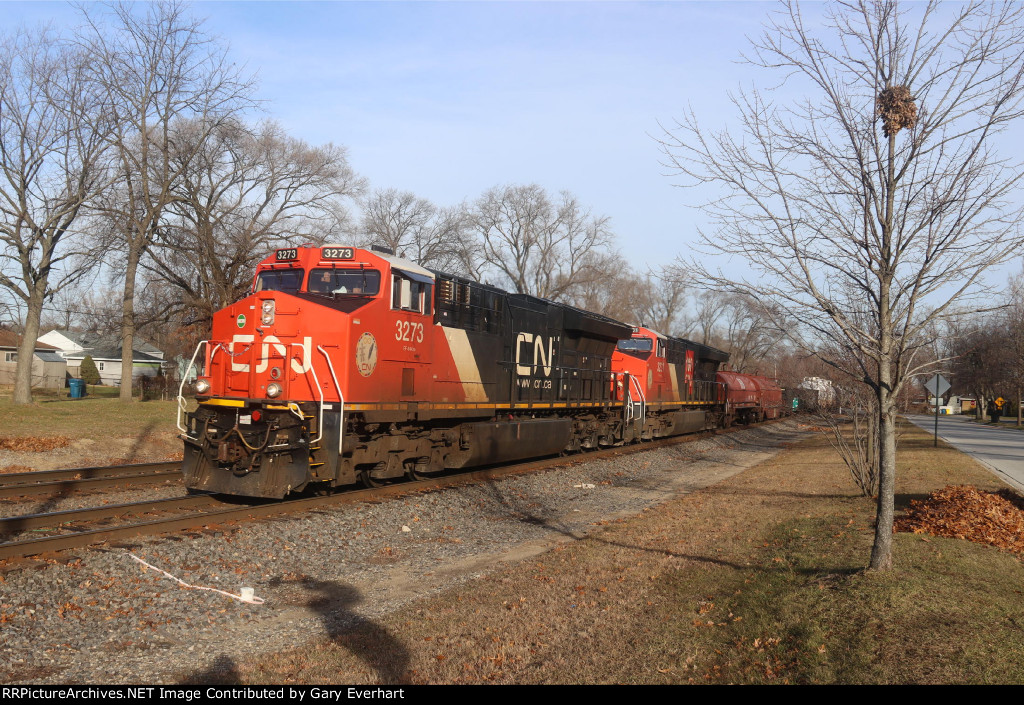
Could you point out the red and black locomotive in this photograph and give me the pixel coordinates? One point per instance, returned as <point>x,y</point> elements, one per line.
<point>346,365</point>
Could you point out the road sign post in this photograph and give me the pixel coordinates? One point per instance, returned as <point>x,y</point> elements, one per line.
<point>937,385</point>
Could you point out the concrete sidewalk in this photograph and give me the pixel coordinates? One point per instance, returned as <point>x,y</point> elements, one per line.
<point>1001,450</point>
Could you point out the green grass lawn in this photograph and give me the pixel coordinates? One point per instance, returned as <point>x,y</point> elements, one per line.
<point>98,415</point>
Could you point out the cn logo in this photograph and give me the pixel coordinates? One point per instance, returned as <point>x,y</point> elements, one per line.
<point>300,361</point>
<point>538,356</point>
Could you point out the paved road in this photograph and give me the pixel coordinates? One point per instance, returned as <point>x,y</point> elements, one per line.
<point>1001,450</point>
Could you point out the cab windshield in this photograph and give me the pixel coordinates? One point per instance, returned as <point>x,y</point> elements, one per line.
<point>287,280</point>
<point>636,345</point>
<point>357,282</point>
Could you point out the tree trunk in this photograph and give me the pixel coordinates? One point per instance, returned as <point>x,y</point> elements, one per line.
<point>128,325</point>
<point>881,551</point>
<point>26,350</point>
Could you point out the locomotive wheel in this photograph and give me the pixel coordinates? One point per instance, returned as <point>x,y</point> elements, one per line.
<point>367,480</point>
<point>410,471</point>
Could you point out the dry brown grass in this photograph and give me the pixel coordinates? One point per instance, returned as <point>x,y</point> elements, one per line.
<point>34,444</point>
<point>756,580</point>
<point>91,431</point>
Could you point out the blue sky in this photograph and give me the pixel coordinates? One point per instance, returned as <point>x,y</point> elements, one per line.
<point>449,99</point>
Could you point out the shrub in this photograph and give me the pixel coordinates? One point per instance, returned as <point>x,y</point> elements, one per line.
<point>89,373</point>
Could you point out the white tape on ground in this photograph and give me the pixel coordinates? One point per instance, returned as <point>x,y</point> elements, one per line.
<point>253,600</point>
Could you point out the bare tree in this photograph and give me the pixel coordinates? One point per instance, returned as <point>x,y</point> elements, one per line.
<point>979,364</point>
<point>159,68</point>
<point>654,300</point>
<point>99,311</point>
<point>711,307</point>
<point>663,308</point>
<point>241,191</point>
<point>742,326</point>
<point>415,228</point>
<point>857,445</point>
<point>617,295</point>
<point>51,139</point>
<point>988,352</point>
<point>872,204</point>
<point>538,247</point>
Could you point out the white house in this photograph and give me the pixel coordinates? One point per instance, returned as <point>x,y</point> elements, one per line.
<point>105,351</point>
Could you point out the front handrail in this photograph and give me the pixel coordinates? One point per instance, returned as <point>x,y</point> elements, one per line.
<point>640,393</point>
<point>330,366</point>
<point>628,404</point>
<point>181,388</point>
<point>320,390</point>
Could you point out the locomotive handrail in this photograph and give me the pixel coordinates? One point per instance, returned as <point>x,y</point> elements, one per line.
<point>629,403</point>
<point>341,427</point>
<point>320,415</point>
<point>181,387</point>
<point>223,382</point>
<point>627,408</point>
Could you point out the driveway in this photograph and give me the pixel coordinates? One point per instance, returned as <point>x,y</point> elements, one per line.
<point>1001,450</point>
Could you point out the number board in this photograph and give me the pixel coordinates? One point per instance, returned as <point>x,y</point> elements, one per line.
<point>287,254</point>
<point>338,253</point>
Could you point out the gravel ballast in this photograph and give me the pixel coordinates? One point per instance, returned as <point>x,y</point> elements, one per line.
<point>97,616</point>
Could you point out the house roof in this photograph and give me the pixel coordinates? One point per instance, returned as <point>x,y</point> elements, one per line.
<point>10,339</point>
<point>71,335</point>
<point>107,347</point>
<point>48,356</point>
<point>112,355</point>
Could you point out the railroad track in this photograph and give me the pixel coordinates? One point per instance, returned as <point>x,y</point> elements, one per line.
<point>66,530</point>
<point>66,481</point>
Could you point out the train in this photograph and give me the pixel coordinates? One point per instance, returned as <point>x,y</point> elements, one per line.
<point>347,365</point>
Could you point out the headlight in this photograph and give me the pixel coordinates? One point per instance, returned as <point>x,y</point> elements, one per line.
<point>267,314</point>
<point>202,386</point>
<point>273,390</point>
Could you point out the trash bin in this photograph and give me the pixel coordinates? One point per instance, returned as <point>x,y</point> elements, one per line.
<point>77,387</point>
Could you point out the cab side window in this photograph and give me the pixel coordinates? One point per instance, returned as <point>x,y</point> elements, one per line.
<point>409,295</point>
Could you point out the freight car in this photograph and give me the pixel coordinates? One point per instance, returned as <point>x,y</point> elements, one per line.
<point>347,365</point>
<point>750,398</point>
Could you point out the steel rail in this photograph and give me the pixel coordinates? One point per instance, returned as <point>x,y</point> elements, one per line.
<point>68,486</point>
<point>62,481</point>
<point>36,476</point>
<point>54,520</point>
<point>88,537</point>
